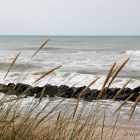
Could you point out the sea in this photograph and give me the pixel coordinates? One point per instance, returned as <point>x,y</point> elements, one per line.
<point>82,60</point>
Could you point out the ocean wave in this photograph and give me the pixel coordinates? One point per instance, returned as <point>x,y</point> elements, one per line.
<point>16,66</point>
<point>136,52</point>
<point>85,52</point>
<point>51,48</point>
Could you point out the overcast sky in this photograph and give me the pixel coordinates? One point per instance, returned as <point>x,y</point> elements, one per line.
<point>70,17</point>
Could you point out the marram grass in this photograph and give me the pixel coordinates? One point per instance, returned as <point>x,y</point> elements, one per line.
<point>63,125</point>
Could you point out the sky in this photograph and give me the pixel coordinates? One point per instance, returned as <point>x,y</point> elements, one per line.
<point>69,17</point>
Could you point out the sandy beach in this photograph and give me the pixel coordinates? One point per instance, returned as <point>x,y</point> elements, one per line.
<point>99,132</point>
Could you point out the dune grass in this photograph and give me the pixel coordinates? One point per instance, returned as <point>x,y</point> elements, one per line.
<point>70,123</point>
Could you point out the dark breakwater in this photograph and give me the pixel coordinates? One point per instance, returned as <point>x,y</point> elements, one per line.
<point>69,92</point>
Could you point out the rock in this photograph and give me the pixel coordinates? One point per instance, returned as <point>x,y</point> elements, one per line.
<point>77,91</point>
<point>124,94</point>
<point>94,94</point>
<point>112,93</point>
<point>50,90</point>
<point>136,92</point>
<point>107,94</point>
<point>61,90</point>
<point>37,91</point>
<point>87,95</point>
<point>128,91</point>
<point>135,96</point>
<point>137,89</point>
<point>3,88</point>
<point>20,88</point>
<point>68,93</point>
<point>33,90</point>
<point>10,88</point>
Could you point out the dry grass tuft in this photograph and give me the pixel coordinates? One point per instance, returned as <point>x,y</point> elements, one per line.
<point>106,81</point>
<point>118,70</point>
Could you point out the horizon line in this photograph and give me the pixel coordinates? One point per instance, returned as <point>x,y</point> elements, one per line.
<point>73,35</point>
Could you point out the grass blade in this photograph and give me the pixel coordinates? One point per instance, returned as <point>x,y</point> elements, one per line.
<point>46,73</point>
<point>12,64</point>
<point>40,47</point>
<point>82,94</point>
<point>133,107</point>
<point>123,103</point>
<point>122,88</point>
<point>88,87</point>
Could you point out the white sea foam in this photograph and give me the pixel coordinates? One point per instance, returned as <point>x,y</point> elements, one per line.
<point>65,78</point>
<point>133,52</point>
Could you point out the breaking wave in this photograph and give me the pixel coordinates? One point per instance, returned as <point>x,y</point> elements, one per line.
<point>136,52</point>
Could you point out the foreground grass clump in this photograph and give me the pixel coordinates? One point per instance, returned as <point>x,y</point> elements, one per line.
<point>68,123</point>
